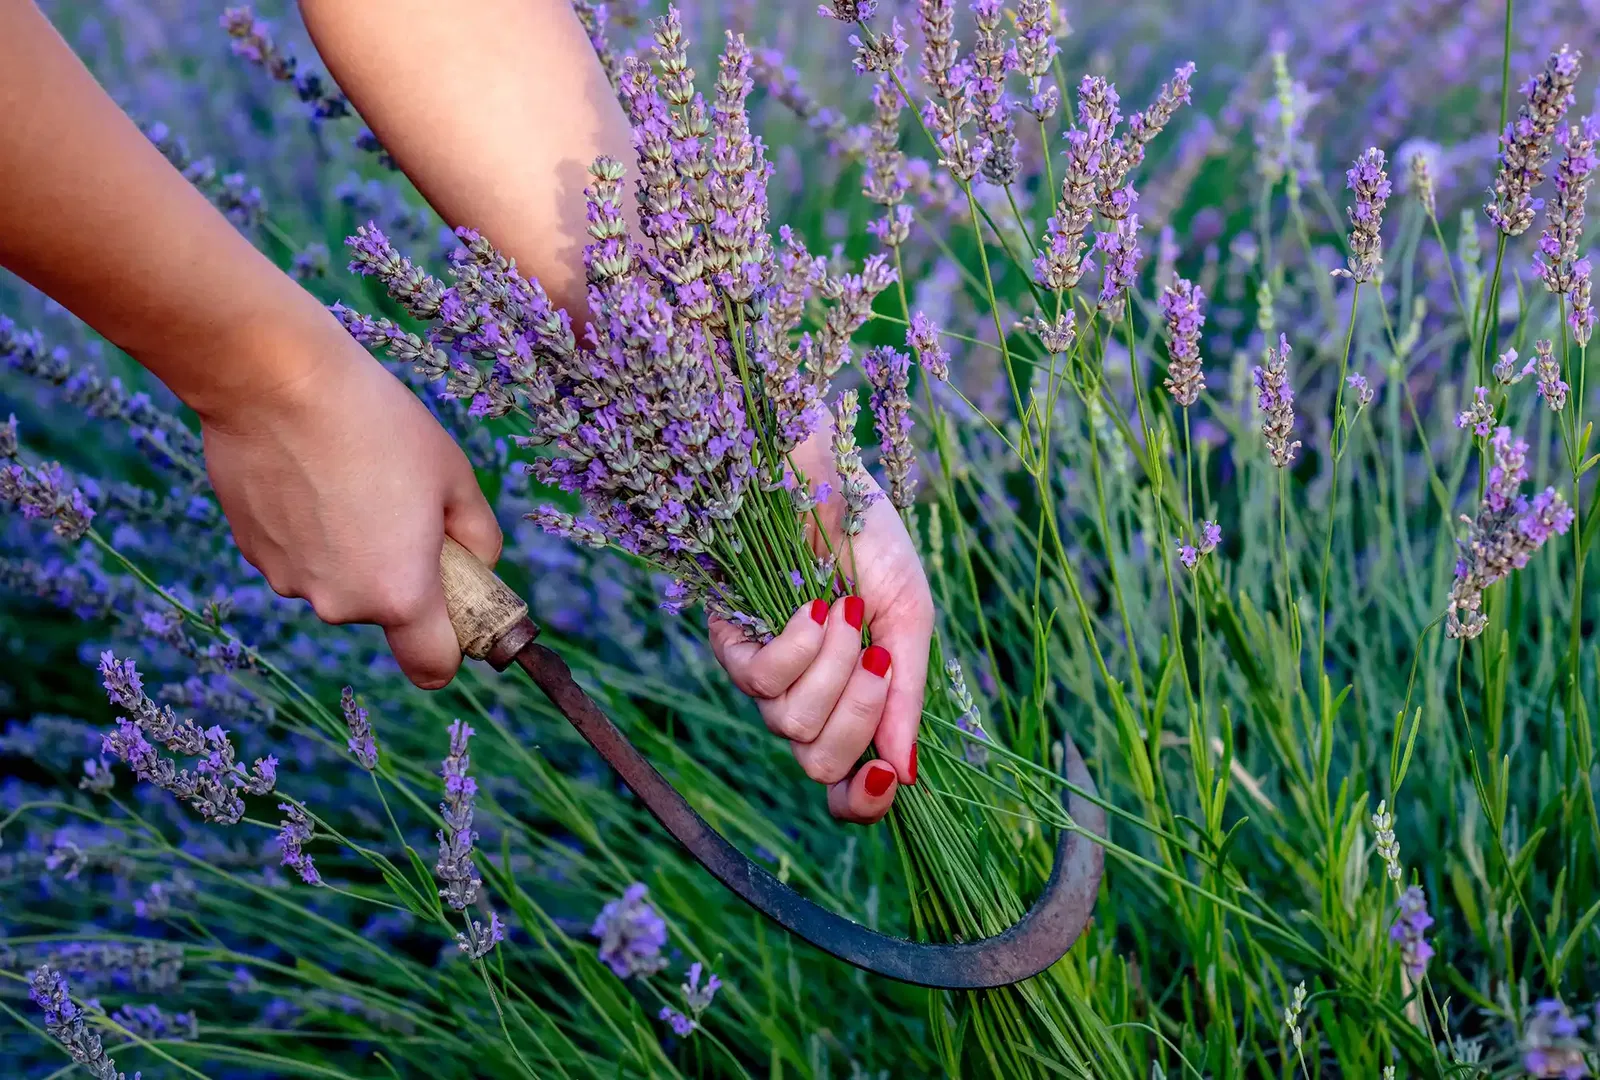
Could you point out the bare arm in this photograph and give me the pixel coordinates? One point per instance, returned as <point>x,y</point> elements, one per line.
<point>494,109</point>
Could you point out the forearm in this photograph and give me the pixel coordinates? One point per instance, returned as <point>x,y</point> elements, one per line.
<point>494,109</point>
<point>93,215</point>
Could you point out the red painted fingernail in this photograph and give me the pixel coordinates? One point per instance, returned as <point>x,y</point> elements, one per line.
<point>876,660</point>
<point>913,779</point>
<point>855,611</point>
<point>819,611</point>
<point>879,778</point>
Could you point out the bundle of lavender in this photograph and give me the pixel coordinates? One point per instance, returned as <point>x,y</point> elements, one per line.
<point>683,416</point>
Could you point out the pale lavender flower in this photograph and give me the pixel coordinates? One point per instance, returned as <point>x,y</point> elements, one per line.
<point>42,492</point>
<point>1275,399</point>
<point>1422,180</point>
<point>884,179</point>
<point>968,719</point>
<point>1506,533</point>
<point>1547,368</point>
<point>1061,263</point>
<point>253,40</point>
<point>881,52</point>
<point>923,337</point>
<point>1182,306</point>
<point>478,941</point>
<point>991,61</point>
<point>889,371</point>
<point>936,19</point>
<point>1557,257</point>
<point>1191,554</point>
<point>1361,388</point>
<point>1506,369</point>
<point>1525,143</point>
<point>1036,48</point>
<point>455,866</point>
<point>1144,126</point>
<point>1580,311</point>
<point>294,833</point>
<point>1552,1043</point>
<point>360,730</point>
<point>1410,926</point>
<point>63,1019</point>
<point>1056,335</point>
<point>854,484</point>
<point>1370,183</point>
<point>697,999</point>
<point>632,934</point>
<point>1480,416</point>
<point>1120,247</point>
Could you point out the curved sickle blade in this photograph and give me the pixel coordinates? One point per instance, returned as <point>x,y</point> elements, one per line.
<point>1041,938</point>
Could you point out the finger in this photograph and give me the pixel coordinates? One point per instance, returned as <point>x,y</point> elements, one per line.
<point>845,737</point>
<point>470,522</point>
<point>866,796</point>
<point>424,643</point>
<point>801,713</point>
<point>767,671</point>
<point>906,634</point>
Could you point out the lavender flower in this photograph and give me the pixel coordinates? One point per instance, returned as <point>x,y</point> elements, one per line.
<point>1506,370</point>
<point>1422,181</point>
<point>293,834</point>
<point>1036,48</point>
<point>1361,388</point>
<point>991,61</point>
<point>42,493</point>
<point>1144,126</point>
<point>854,484</point>
<point>1580,312</point>
<point>968,719</point>
<point>1056,335</point>
<point>1480,416</point>
<point>1557,257</point>
<point>696,998</point>
<point>1275,399</point>
<point>1552,1043</point>
<point>1410,925</point>
<point>889,371</point>
<point>923,337</point>
<point>1191,554</point>
<point>1507,531</point>
<point>151,1022</point>
<point>478,941</point>
<point>1388,846</point>
<point>252,39</point>
<point>455,865</point>
<point>355,721</point>
<point>884,179</point>
<point>1548,369</point>
<point>1525,143</point>
<point>1061,263</point>
<point>880,52</point>
<point>936,19</point>
<point>1370,183</point>
<point>632,934</point>
<point>64,1021</point>
<point>1182,306</point>
<point>1120,247</point>
<point>848,10</point>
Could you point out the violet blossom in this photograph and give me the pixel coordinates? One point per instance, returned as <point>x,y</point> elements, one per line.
<point>1410,926</point>
<point>455,866</point>
<point>631,933</point>
<point>1183,309</point>
<point>64,1021</point>
<point>889,371</point>
<point>294,833</point>
<point>991,61</point>
<point>923,338</point>
<point>1479,416</point>
<point>1275,399</point>
<point>359,728</point>
<point>696,998</point>
<point>1370,183</point>
<point>1525,143</point>
<point>1547,369</point>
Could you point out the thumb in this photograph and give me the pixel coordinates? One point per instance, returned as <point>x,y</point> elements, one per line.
<point>470,522</point>
<point>424,643</point>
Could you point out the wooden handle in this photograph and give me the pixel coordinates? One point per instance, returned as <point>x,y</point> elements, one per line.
<point>491,621</point>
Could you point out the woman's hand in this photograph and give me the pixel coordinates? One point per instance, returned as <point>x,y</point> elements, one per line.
<point>817,687</point>
<point>340,488</point>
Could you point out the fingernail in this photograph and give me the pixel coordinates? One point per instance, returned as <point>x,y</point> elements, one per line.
<point>876,660</point>
<point>855,611</point>
<point>879,777</point>
<point>913,778</point>
<point>819,611</point>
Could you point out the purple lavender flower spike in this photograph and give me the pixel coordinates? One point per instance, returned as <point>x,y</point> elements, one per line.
<point>63,1019</point>
<point>1410,925</point>
<point>880,52</point>
<point>1036,48</point>
<point>631,933</point>
<point>1362,389</point>
<point>1552,1042</point>
<point>252,40</point>
<point>293,835</point>
<point>1547,368</point>
<point>889,371</point>
<point>1557,259</point>
<point>455,866</point>
<point>1056,335</point>
<point>360,730</point>
<point>1580,311</point>
<point>697,999</point>
<point>1480,416</point>
<point>1061,263</point>
<point>884,179</point>
<point>968,719</point>
<point>1525,143</point>
<point>854,484</point>
<point>1183,309</point>
<point>1275,399</point>
<point>478,941</point>
<point>42,492</point>
<point>1370,183</point>
<point>923,337</point>
<point>992,60</point>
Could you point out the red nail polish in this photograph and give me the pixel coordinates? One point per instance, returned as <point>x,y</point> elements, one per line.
<point>819,611</point>
<point>913,778</point>
<point>855,611</point>
<point>876,660</point>
<point>878,780</point>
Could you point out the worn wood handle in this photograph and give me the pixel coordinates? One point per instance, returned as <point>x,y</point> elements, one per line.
<point>489,618</point>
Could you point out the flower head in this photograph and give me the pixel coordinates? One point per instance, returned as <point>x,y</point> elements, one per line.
<point>1480,416</point>
<point>1275,399</point>
<point>632,934</point>
<point>455,866</point>
<point>1547,368</point>
<point>1525,143</point>
<point>1410,926</point>
<point>1182,307</point>
<point>1370,183</point>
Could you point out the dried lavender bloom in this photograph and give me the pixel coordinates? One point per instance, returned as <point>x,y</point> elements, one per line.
<point>1061,263</point>
<point>1410,925</point>
<point>293,835</point>
<point>1506,370</point>
<point>1552,1042</point>
<point>1362,388</point>
<point>923,337</point>
<point>1370,183</point>
<point>854,484</point>
<point>880,52</point>
<point>1275,399</point>
<point>253,40</point>
<point>478,941</point>
<point>1056,335</point>
<point>1036,49</point>
<point>1557,257</point>
<point>1480,417</point>
<point>1182,306</point>
<point>889,371</point>
<point>632,934</point>
<point>1548,370</point>
<point>1422,181</point>
<point>1120,247</point>
<point>1388,846</point>
<point>1580,311</point>
<point>1508,530</point>
<point>992,60</point>
<point>1525,143</point>
<point>213,788</point>
<point>64,1021</point>
<point>940,49</point>
<point>359,728</point>
<point>455,865</point>
<point>968,719</point>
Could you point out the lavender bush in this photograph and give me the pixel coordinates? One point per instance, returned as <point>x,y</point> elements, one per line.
<point>1238,409</point>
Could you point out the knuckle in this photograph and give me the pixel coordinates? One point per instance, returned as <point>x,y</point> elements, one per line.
<point>823,766</point>
<point>764,682</point>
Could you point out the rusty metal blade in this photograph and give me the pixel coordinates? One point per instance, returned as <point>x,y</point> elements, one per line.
<point>1038,940</point>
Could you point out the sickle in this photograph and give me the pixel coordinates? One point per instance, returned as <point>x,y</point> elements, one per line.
<point>492,624</point>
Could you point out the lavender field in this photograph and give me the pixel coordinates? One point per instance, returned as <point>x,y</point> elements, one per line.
<point>1223,364</point>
